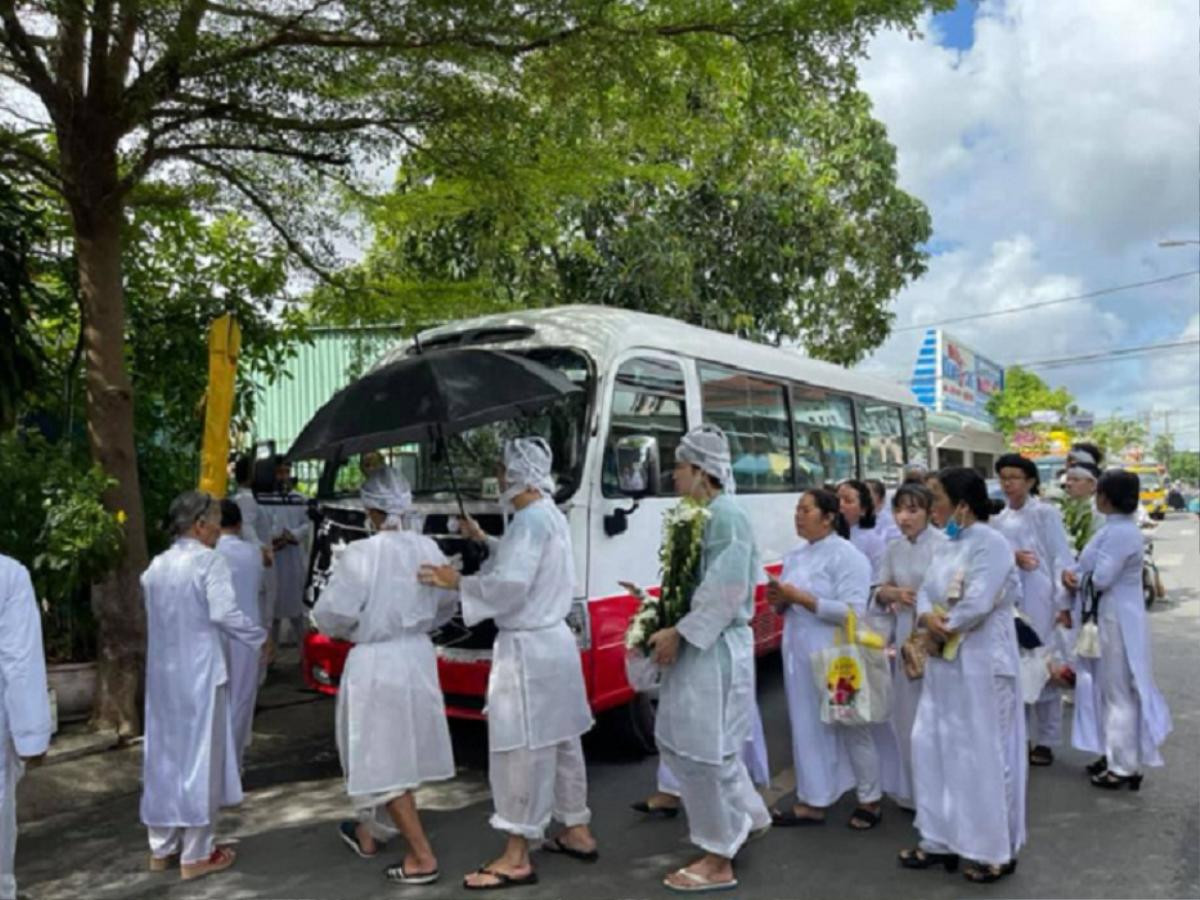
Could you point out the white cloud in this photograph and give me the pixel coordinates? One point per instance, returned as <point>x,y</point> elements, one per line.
<point>1054,153</point>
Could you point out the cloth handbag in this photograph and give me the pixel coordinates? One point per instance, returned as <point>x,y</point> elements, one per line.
<point>853,677</point>
<point>1087,645</point>
<point>916,649</point>
<point>1034,673</point>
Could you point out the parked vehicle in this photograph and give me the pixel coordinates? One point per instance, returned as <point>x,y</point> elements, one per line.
<point>1153,495</point>
<point>792,422</point>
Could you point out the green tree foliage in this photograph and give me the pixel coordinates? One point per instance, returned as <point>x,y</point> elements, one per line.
<point>1164,448</point>
<point>1114,436</point>
<point>787,226</point>
<point>1185,464</point>
<point>20,356</point>
<point>1024,392</point>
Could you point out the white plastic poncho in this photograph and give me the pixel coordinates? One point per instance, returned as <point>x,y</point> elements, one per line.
<point>245,662</point>
<point>1114,559</point>
<point>536,696</point>
<point>706,702</point>
<point>24,701</point>
<point>706,447</point>
<point>969,756</point>
<point>392,733</point>
<point>189,764</point>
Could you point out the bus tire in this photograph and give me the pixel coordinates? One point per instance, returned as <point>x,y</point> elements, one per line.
<point>631,727</point>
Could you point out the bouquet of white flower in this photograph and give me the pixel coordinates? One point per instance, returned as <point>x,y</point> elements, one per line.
<point>679,560</point>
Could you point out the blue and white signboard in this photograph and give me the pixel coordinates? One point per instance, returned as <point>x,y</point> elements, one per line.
<point>951,377</point>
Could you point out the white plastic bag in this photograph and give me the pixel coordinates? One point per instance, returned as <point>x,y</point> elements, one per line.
<point>1087,645</point>
<point>1035,672</point>
<point>644,673</point>
<point>853,680</point>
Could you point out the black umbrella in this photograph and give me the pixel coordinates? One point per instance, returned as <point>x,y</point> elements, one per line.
<point>428,395</point>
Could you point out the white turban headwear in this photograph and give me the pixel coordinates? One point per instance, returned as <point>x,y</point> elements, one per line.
<point>389,492</point>
<point>1082,464</point>
<point>528,463</point>
<point>706,447</point>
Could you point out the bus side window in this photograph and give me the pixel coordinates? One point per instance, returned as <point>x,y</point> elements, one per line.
<point>824,428</point>
<point>916,437</point>
<point>880,441</point>
<point>649,398</point>
<point>752,412</point>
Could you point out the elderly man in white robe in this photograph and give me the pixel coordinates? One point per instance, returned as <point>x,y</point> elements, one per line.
<point>392,734</point>
<point>290,527</point>
<point>245,662</point>
<point>24,704</point>
<point>189,765</point>
<point>537,705</point>
<point>706,702</point>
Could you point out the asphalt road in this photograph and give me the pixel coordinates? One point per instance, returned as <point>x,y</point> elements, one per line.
<point>1082,842</point>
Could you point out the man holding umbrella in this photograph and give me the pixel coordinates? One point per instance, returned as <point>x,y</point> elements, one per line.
<point>536,702</point>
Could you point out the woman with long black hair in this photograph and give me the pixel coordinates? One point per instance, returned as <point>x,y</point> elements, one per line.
<point>968,741</point>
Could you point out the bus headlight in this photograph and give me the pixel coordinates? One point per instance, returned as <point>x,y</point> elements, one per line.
<point>579,622</point>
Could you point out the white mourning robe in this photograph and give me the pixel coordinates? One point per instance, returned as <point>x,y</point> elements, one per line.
<point>904,566</point>
<point>872,544</point>
<point>245,662</point>
<point>839,575</point>
<point>24,702</point>
<point>291,560</point>
<point>1113,557</point>
<point>257,528</point>
<point>885,523</point>
<point>536,696</point>
<point>189,765</point>
<point>391,722</point>
<point>968,742</point>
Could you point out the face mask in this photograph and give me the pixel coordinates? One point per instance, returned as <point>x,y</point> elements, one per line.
<point>954,528</point>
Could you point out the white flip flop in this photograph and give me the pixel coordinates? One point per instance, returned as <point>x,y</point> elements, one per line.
<point>700,884</point>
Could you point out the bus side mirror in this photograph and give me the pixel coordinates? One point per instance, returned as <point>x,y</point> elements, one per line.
<point>637,477</point>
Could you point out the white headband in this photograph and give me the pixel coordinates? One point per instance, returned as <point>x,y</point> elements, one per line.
<point>1081,472</point>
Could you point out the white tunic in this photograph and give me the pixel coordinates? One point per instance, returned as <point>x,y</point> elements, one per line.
<point>291,560</point>
<point>1038,526</point>
<point>835,572</point>
<point>391,723</point>
<point>871,543</point>
<point>24,701</point>
<point>707,700</point>
<point>885,523</point>
<point>969,772</point>
<point>536,696</point>
<point>189,765</point>
<point>257,528</point>
<point>905,565</point>
<point>1114,559</point>
<point>246,569</point>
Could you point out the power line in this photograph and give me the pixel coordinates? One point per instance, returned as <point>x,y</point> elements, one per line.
<point>1107,355</point>
<point>1044,303</point>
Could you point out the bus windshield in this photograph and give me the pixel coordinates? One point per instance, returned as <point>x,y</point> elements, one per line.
<point>475,454</point>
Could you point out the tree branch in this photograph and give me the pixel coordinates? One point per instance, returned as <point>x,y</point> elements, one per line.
<point>69,64</point>
<point>97,86</point>
<point>21,46</point>
<point>30,158</point>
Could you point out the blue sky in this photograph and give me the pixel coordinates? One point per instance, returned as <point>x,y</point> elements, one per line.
<point>1054,142</point>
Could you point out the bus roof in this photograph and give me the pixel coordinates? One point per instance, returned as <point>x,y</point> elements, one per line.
<point>605,332</point>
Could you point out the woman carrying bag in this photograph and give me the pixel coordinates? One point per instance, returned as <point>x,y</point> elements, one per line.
<point>968,741</point>
<point>1120,706</point>
<point>824,581</point>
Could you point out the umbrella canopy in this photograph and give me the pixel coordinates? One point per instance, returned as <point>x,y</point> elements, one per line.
<point>437,393</point>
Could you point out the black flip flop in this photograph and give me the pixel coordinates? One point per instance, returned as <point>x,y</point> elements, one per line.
<point>397,875</point>
<point>863,814</point>
<point>1041,756</point>
<point>787,818</point>
<point>348,832</point>
<point>665,812</point>
<point>554,845</point>
<point>503,882</point>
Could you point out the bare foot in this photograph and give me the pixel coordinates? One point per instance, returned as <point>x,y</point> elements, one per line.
<point>415,865</point>
<point>709,869</point>
<point>485,877</point>
<point>365,840</point>
<point>578,838</point>
<point>804,811</point>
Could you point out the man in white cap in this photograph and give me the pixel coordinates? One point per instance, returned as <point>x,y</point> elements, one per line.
<point>24,703</point>
<point>707,702</point>
<point>536,703</point>
<point>392,734</point>
<point>189,762</point>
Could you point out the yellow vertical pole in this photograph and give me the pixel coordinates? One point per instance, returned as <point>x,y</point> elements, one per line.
<point>224,343</point>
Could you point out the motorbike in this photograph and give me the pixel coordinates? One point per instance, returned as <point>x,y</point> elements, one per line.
<point>1152,585</point>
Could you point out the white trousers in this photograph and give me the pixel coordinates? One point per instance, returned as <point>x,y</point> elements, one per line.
<point>754,755</point>
<point>193,844</point>
<point>530,787</point>
<point>864,761</point>
<point>1043,721</point>
<point>721,803</point>
<point>1122,713</point>
<point>11,774</point>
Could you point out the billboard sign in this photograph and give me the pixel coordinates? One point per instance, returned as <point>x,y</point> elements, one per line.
<point>951,377</point>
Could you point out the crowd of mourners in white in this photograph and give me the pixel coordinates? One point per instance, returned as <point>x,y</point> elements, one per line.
<point>934,559</point>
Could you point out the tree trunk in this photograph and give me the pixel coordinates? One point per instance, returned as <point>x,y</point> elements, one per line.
<point>116,601</point>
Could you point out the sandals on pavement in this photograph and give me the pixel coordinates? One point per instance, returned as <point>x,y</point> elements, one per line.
<point>1111,781</point>
<point>222,858</point>
<point>397,875</point>
<point>554,845</point>
<point>502,881</point>
<point>1097,767</point>
<point>981,873</point>
<point>348,832</point>
<point>665,812</point>
<point>916,858</point>
<point>862,814</point>
<point>698,884</point>
<point>1041,756</point>
<point>787,818</point>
